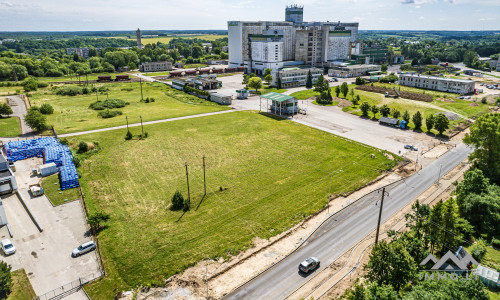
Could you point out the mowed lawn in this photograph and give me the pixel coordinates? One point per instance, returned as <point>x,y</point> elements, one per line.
<point>10,127</point>
<point>72,113</point>
<point>263,176</point>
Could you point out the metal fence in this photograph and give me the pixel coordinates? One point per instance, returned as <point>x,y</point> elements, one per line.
<point>69,288</point>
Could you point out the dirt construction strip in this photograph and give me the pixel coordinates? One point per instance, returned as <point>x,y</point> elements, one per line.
<point>328,277</point>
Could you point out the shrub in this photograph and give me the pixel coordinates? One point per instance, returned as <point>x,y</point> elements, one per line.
<point>109,114</point>
<point>83,147</point>
<point>110,103</point>
<point>360,81</point>
<point>5,280</point>
<point>35,119</point>
<point>395,113</point>
<point>495,243</point>
<point>483,101</point>
<point>177,201</point>
<point>187,205</point>
<point>69,91</point>
<point>128,136</point>
<point>365,107</point>
<point>148,100</point>
<point>43,84</point>
<point>46,109</point>
<point>30,84</point>
<point>64,141</point>
<point>478,250</point>
<point>385,110</point>
<point>77,161</point>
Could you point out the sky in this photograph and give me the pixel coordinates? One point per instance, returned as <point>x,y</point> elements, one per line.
<point>97,15</point>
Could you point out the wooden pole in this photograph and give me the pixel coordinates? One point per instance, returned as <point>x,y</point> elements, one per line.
<point>187,179</point>
<point>380,215</point>
<point>204,178</point>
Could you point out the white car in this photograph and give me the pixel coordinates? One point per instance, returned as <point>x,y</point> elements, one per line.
<point>83,248</point>
<point>7,247</point>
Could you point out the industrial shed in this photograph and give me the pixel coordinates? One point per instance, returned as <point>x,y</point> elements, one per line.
<point>221,98</point>
<point>281,104</point>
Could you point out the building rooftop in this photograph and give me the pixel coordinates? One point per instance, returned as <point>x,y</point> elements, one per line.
<point>277,97</point>
<point>437,78</point>
<point>355,67</point>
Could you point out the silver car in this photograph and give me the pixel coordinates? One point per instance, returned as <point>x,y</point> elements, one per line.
<point>7,247</point>
<point>309,264</point>
<point>83,248</point>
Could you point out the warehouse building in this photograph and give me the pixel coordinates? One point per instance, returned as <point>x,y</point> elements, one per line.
<point>156,66</point>
<point>459,86</point>
<point>278,44</point>
<point>291,77</point>
<point>353,70</point>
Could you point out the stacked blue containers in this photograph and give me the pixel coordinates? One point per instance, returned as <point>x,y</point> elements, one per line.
<point>52,152</point>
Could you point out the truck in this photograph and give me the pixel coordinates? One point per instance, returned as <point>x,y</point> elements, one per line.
<point>36,190</point>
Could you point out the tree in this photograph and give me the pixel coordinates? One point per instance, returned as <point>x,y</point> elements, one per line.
<point>435,219</point>
<point>374,110</point>
<point>417,120</point>
<point>451,237</point>
<point>441,123</point>
<point>372,291</point>
<point>5,109</point>
<point>309,80</point>
<point>83,147</point>
<point>482,210</point>
<point>186,205</point>
<point>395,113</point>
<point>96,219</point>
<point>352,94</point>
<point>268,78</point>
<point>35,119</point>
<point>255,83</point>
<point>365,108</point>
<point>344,88</point>
<point>359,81</point>
<point>356,100</point>
<point>460,289</point>
<point>337,91</point>
<point>30,84</point>
<point>474,183</point>
<point>46,109</point>
<point>391,264</point>
<point>469,58</point>
<point>485,138</point>
<point>406,116</point>
<point>429,122</point>
<point>385,110</point>
<point>177,201</point>
<point>267,71</point>
<point>278,83</point>
<point>5,280</point>
<point>383,68</point>
<point>414,62</point>
<point>321,84</point>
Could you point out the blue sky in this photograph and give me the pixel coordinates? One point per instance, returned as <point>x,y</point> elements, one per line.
<point>67,15</point>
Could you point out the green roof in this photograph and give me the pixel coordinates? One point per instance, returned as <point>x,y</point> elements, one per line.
<point>277,97</point>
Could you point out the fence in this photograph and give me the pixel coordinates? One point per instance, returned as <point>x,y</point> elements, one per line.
<point>69,288</point>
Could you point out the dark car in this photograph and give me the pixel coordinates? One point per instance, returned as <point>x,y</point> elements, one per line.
<point>309,264</point>
<point>411,147</point>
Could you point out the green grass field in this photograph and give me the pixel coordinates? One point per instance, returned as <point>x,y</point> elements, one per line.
<point>157,74</point>
<point>71,113</point>
<point>21,289</point>
<point>263,176</point>
<point>10,90</point>
<point>51,185</point>
<point>74,78</point>
<point>10,127</point>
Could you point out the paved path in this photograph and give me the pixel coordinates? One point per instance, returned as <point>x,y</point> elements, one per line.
<point>19,110</point>
<point>145,123</point>
<point>344,229</point>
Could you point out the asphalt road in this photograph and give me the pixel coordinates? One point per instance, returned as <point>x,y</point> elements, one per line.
<point>344,229</point>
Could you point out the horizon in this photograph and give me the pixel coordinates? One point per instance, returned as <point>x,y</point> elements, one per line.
<point>113,15</point>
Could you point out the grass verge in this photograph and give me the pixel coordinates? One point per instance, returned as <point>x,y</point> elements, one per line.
<point>264,175</point>
<point>21,289</point>
<point>10,127</point>
<point>51,186</point>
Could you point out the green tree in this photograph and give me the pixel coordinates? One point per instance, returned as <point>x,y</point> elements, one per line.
<point>177,201</point>
<point>374,110</point>
<point>451,236</point>
<point>186,205</point>
<point>482,210</point>
<point>406,116</point>
<point>395,113</point>
<point>30,84</point>
<point>359,81</point>
<point>83,147</point>
<point>469,57</point>
<point>460,289</point>
<point>321,84</point>
<point>485,138</point>
<point>429,122</point>
<point>344,89</point>
<point>35,119</point>
<point>5,280</point>
<point>5,109</point>
<point>417,120</point>
<point>414,62</point>
<point>352,94</point>
<point>268,78</point>
<point>391,264</point>
<point>356,100</point>
<point>372,291</point>
<point>365,108</point>
<point>255,83</point>
<point>441,123</point>
<point>337,91</point>
<point>309,80</point>
<point>474,183</point>
<point>385,110</point>
<point>278,83</point>
<point>436,219</point>
<point>267,71</point>
<point>97,218</point>
<point>383,68</point>
<point>46,109</point>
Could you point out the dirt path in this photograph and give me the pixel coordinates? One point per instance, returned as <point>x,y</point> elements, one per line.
<point>19,110</point>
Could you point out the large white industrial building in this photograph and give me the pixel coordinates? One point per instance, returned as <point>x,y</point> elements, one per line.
<point>258,45</point>
<point>451,85</point>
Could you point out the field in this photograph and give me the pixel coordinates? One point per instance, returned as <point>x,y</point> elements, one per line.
<point>72,113</point>
<point>50,185</point>
<point>10,90</point>
<point>21,289</point>
<point>89,77</point>
<point>167,39</point>
<point>263,176</point>
<point>10,127</point>
<point>157,73</point>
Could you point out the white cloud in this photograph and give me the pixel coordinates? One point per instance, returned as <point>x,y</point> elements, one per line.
<point>418,6</point>
<point>421,18</point>
<point>487,19</point>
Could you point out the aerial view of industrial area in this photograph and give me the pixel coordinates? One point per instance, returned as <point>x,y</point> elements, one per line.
<point>250,150</point>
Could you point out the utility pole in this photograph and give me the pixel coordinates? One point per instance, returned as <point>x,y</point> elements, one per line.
<point>439,176</point>
<point>380,214</point>
<point>142,128</point>
<point>204,179</point>
<point>126,118</point>
<point>187,179</point>
<point>140,81</point>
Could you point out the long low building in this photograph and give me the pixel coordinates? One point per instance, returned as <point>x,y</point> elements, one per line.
<point>459,86</point>
<point>291,77</point>
<point>353,70</point>
<point>156,66</point>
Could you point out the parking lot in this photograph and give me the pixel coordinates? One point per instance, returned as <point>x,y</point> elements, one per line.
<point>46,255</point>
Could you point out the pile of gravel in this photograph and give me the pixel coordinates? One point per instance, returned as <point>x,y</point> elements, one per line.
<point>449,115</point>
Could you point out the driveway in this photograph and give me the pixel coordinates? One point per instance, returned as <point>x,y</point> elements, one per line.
<point>19,110</point>
<point>46,255</point>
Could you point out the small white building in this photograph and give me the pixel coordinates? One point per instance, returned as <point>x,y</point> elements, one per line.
<point>291,77</point>
<point>156,66</point>
<point>459,86</point>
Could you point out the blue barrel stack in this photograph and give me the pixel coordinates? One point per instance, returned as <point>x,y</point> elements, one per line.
<point>50,150</point>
